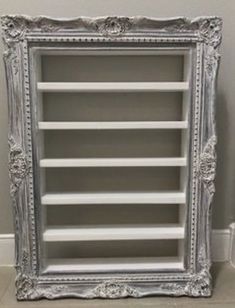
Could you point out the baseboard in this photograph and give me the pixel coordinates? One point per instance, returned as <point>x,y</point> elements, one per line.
<point>221,247</point>
<point>7,247</point>
<point>232,244</point>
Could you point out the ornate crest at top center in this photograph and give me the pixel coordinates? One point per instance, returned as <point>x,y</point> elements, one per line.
<point>114,26</point>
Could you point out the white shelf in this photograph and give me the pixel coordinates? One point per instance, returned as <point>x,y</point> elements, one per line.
<point>112,86</point>
<point>114,162</point>
<point>169,197</point>
<point>115,125</point>
<point>113,264</point>
<point>114,232</point>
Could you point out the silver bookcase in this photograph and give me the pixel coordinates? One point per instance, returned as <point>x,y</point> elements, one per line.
<point>111,154</point>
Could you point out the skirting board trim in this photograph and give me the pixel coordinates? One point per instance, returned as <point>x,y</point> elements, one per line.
<point>232,244</point>
<point>7,248</point>
<point>223,246</point>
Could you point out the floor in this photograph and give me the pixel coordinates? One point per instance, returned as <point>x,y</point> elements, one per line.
<point>223,296</point>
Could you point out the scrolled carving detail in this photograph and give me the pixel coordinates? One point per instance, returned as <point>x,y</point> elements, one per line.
<point>115,289</point>
<point>13,29</point>
<point>25,286</point>
<point>13,32</point>
<point>207,165</point>
<point>24,283</point>
<point>210,31</point>
<point>114,26</point>
<point>18,165</point>
<point>199,284</point>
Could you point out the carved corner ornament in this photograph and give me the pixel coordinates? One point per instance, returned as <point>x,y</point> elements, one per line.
<point>13,28</point>
<point>24,283</point>
<point>210,32</point>
<point>18,166</point>
<point>207,165</point>
<point>12,32</point>
<point>198,285</point>
<point>27,286</point>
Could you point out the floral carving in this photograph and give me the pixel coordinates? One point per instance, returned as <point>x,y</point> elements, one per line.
<point>18,165</point>
<point>210,31</point>
<point>207,165</point>
<point>25,286</point>
<point>12,28</point>
<point>172,289</point>
<point>114,289</point>
<point>114,26</point>
<point>12,33</point>
<point>199,284</point>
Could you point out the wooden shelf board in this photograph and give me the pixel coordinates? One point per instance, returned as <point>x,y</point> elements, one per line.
<point>167,197</point>
<point>114,162</point>
<point>112,264</point>
<point>114,125</point>
<point>113,232</point>
<point>112,86</point>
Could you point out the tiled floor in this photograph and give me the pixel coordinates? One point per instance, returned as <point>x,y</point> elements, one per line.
<point>223,296</point>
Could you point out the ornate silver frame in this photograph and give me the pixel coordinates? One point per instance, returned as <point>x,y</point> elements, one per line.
<point>203,34</point>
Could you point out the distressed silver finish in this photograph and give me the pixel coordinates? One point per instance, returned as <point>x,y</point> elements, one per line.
<point>207,167</point>
<point>20,35</point>
<point>18,165</point>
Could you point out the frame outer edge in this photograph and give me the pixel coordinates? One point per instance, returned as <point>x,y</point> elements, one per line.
<point>20,159</point>
<point>207,30</point>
